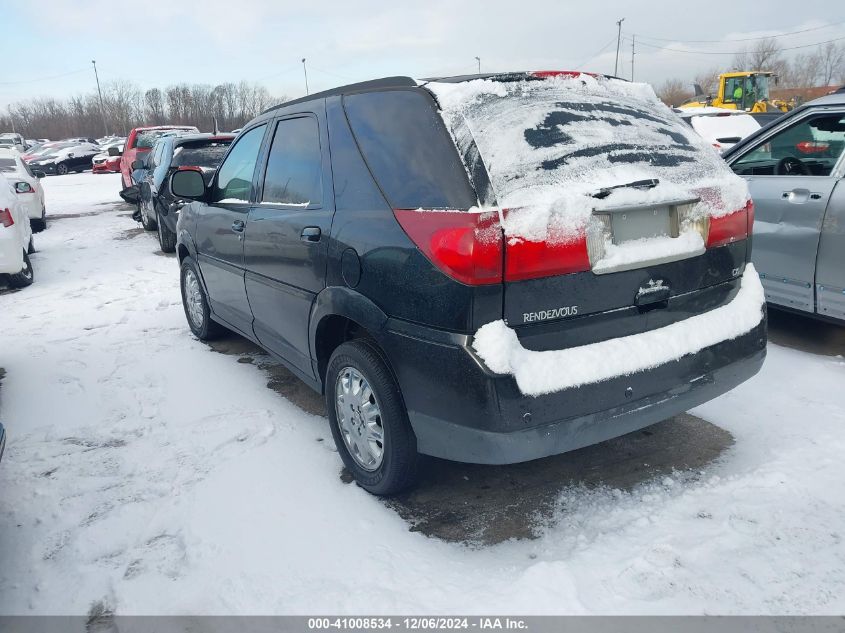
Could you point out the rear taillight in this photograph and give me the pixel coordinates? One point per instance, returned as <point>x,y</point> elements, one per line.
<point>530,260</point>
<point>6,218</point>
<point>731,227</point>
<point>465,246</point>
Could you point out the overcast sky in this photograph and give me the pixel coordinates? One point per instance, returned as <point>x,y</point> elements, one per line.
<point>47,46</point>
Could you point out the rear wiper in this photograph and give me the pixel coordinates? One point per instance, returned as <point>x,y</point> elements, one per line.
<point>604,192</point>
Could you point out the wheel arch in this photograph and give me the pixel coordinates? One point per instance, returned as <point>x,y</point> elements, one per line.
<point>338,315</point>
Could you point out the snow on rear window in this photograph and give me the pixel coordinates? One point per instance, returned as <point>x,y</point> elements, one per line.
<point>547,145</point>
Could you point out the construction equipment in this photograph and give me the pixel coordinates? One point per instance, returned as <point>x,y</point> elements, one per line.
<point>741,90</point>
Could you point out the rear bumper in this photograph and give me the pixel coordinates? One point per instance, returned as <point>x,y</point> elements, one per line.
<point>461,411</point>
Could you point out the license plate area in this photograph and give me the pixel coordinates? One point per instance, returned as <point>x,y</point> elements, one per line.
<point>638,223</point>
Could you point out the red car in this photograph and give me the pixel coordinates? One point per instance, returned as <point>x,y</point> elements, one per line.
<point>105,164</point>
<point>141,141</point>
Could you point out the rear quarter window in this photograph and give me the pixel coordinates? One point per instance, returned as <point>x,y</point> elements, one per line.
<point>408,149</point>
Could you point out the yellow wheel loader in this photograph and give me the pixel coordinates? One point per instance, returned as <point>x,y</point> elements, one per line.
<point>745,90</point>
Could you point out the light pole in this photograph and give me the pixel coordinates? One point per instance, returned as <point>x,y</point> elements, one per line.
<point>100,92</point>
<point>305,70</point>
<point>478,59</point>
<point>618,42</point>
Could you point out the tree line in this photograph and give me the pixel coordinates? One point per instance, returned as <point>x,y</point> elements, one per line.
<point>125,106</point>
<point>824,66</point>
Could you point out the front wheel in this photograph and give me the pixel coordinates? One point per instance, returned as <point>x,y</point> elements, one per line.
<point>166,237</point>
<point>368,419</point>
<point>195,302</point>
<point>148,220</point>
<point>25,277</point>
<point>61,169</point>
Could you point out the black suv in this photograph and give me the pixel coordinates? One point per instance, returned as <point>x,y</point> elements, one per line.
<point>158,208</point>
<point>488,269</point>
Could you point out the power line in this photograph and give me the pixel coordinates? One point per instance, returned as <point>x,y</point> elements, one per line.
<point>32,81</point>
<point>596,54</point>
<point>680,50</point>
<point>742,39</point>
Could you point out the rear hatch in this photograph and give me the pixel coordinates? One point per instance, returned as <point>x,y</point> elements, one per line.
<point>616,217</point>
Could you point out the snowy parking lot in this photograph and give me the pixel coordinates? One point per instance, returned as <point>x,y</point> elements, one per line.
<point>147,472</point>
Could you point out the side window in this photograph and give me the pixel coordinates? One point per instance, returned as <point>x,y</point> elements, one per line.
<point>294,170</point>
<point>162,162</point>
<point>733,89</point>
<point>409,150</point>
<point>234,178</point>
<point>810,147</point>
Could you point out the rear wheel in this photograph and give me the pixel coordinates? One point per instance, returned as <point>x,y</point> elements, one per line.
<point>148,220</point>
<point>166,237</point>
<point>368,419</point>
<point>61,169</point>
<point>195,302</point>
<point>39,224</point>
<point>25,277</point>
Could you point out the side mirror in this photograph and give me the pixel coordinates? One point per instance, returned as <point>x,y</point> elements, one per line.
<point>114,151</point>
<point>38,173</point>
<point>187,183</point>
<point>70,155</point>
<point>23,187</point>
<point>137,164</point>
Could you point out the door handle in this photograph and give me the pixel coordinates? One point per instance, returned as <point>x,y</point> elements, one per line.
<point>310,234</point>
<point>797,196</point>
<point>238,226</point>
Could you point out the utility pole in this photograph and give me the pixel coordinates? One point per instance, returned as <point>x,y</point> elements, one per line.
<point>633,38</point>
<point>618,42</point>
<point>305,70</point>
<point>478,59</point>
<point>100,92</point>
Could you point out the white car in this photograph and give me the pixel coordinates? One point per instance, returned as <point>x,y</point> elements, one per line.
<point>27,185</point>
<point>12,140</point>
<point>723,128</point>
<point>15,238</point>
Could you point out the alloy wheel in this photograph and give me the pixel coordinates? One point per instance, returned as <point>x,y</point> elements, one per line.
<point>359,418</point>
<point>193,299</point>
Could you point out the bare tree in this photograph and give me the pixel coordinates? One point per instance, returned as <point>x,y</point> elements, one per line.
<point>831,61</point>
<point>126,107</point>
<point>803,71</point>
<point>674,92</point>
<point>708,81</point>
<point>764,55</point>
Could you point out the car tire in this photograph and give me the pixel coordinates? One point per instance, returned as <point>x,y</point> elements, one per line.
<point>39,224</point>
<point>25,277</point>
<point>149,223</point>
<point>30,249</point>
<point>195,303</point>
<point>166,237</point>
<point>357,365</point>
<point>61,169</point>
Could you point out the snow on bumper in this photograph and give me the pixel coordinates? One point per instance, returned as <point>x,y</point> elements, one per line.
<point>538,373</point>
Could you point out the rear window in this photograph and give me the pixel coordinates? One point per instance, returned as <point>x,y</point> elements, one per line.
<point>145,140</point>
<point>550,144</point>
<point>8,165</point>
<point>200,155</point>
<point>409,150</point>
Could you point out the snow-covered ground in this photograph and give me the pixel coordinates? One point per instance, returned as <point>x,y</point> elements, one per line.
<point>151,474</point>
